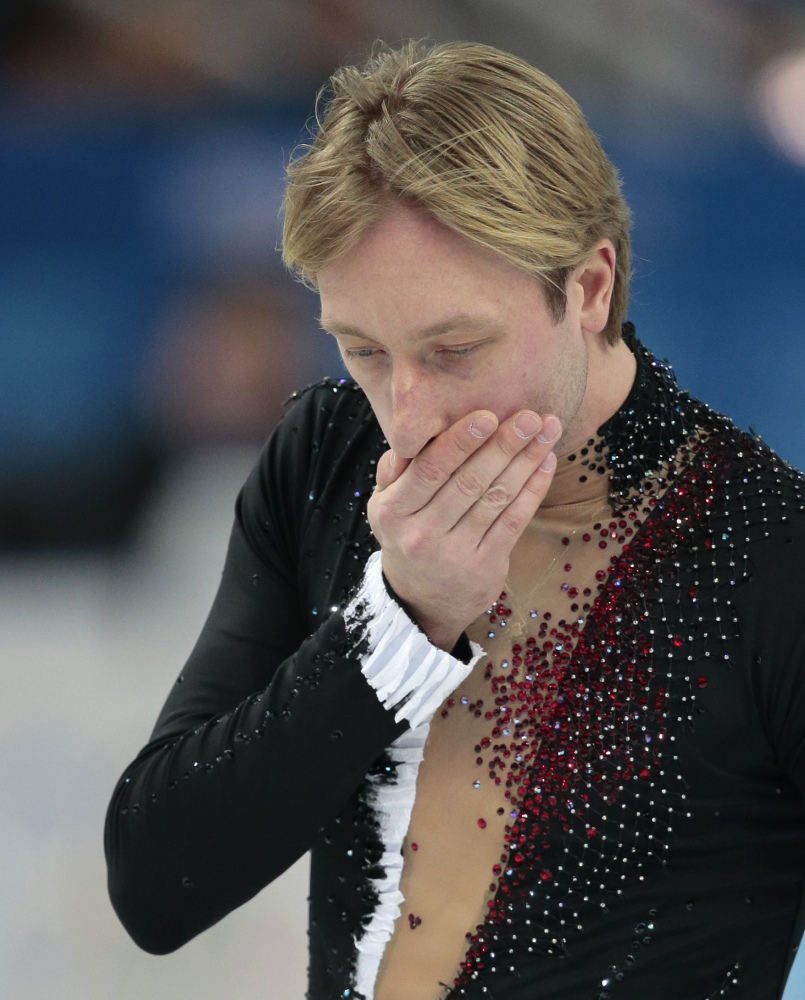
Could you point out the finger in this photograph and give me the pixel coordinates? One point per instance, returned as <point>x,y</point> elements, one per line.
<point>491,478</point>
<point>428,471</point>
<point>498,495</point>
<point>512,521</point>
<point>390,467</point>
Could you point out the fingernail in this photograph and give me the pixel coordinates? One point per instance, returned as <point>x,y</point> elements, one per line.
<point>527,424</point>
<point>392,459</point>
<point>549,462</point>
<point>551,429</point>
<point>482,427</point>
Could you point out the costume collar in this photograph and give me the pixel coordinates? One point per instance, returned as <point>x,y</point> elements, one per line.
<point>634,444</point>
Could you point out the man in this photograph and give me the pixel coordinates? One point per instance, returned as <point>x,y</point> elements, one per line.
<point>506,633</point>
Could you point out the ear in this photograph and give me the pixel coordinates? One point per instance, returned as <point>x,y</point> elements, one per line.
<point>595,280</point>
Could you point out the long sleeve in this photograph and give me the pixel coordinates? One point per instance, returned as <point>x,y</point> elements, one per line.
<point>270,729</point>
<point>773,623</point>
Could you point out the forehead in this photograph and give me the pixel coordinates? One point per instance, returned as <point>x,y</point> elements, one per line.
<point>405,236</point>
<point>410,264</point>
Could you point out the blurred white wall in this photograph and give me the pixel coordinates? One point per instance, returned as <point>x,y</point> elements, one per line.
<point>88,653</point>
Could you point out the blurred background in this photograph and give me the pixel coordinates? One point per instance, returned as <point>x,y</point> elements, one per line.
<point>148,337</point>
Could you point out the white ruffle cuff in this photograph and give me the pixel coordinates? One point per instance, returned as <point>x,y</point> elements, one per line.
<point>401,660</point>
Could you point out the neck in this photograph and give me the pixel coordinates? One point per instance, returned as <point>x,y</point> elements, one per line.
<point>611,373</point>
<point>581,473</point>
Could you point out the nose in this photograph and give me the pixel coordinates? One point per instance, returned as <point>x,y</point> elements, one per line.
<point>418,413</point>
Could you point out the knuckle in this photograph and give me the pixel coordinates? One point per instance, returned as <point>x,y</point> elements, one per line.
<point>468,483</point>
<point>497,496</point>
<point>466,445</point>
<point>428,472</point>
<point>381,514</point>
<point>378,515</point>
<point>507,445</point>
<point>511,520</point>
<point>532,493</point>
<point>538,483</point>
<point>413,544</point>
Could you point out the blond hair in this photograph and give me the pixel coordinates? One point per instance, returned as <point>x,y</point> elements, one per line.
<point>487,144</point>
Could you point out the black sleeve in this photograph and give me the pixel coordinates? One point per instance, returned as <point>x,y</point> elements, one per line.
<point>773,622</point>
<point>791,710</point>
<point>782,670</point>
<point>263,739</point>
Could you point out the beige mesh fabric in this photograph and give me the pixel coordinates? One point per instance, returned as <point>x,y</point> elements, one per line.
<point>448,878</point>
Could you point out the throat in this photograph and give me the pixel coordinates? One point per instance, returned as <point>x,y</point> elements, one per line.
<point>581,476</point>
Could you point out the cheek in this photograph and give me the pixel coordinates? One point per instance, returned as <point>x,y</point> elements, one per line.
<point>506,391</point>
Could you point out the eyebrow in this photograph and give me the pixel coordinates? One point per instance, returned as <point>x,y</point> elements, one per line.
<point>462,321</point>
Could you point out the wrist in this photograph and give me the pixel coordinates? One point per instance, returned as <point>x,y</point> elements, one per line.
<point>439,634</point>
<point>441,637</point>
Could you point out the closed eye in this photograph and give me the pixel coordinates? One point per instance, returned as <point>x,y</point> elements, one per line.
<point>368,352</point>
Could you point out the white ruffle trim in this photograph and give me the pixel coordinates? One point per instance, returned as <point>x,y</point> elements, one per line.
<point>401,659</point>
<point>400,662</point>
<point>392,804</point>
